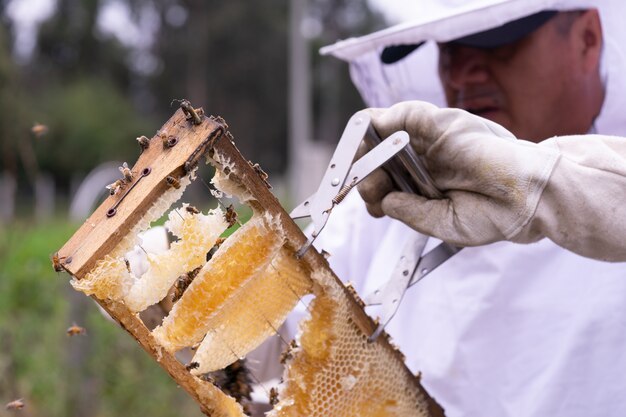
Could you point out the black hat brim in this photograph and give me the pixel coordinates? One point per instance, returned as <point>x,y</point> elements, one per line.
<point>502,35</point>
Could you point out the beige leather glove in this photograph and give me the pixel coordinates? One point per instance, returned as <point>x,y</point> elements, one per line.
<point>570,189</point>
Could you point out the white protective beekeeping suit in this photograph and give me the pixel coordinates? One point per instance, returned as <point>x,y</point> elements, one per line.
<point>505,329</point>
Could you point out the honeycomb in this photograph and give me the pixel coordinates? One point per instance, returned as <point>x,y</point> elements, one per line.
<point>244,255</point>
<point>336,372</point>
<point>253,313</point>
<point>239,298</point>
<point>221,180</point>
<point>155,212</point>
<point>197,233</point>
<point>110,278</point>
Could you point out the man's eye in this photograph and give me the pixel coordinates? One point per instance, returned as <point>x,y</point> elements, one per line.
<point>505,52</point>
<point>502,53</point>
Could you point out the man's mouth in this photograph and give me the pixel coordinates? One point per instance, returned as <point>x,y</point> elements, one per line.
<point>480,105</point>
<point>483,111</point>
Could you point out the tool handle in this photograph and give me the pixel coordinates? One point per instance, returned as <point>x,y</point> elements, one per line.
<point>407,169</point>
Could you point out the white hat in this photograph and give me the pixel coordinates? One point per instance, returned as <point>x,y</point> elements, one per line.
<point>414,76</point>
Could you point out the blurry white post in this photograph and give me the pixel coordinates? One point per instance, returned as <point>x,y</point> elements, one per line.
<point>307,159</point>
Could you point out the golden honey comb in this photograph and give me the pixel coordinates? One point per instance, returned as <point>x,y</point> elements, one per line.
<point>109,279</point>
<point>337,372</point>
<point>244,255</point>
<point>198,233</point>
<point>253,313</point>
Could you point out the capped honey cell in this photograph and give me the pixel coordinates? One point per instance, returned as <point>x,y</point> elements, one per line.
<point>336,372</point>
<point>244,255</point>
<point>253,313</point>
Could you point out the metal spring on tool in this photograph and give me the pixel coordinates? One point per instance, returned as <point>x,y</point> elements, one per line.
<point>342,194</point>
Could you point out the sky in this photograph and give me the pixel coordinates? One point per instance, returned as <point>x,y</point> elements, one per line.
<point>26,15</point>
<point>115,19</point>
<point>396,11</point>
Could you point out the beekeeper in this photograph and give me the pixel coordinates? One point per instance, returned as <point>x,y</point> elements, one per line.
<point>570,189</point>
<point>503,329</point>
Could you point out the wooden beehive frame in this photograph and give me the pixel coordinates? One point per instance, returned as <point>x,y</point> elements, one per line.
<point>173,152</point>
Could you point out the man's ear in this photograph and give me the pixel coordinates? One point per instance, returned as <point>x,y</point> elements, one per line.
<point>587,32</point>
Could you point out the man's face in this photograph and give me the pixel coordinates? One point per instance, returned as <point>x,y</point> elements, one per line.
<point>535,87</point>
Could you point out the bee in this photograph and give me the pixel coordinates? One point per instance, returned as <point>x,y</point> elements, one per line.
<point>236,381</point>
<point>214,249</point>
<point>182,283</point>
<point>180,286</point>
<point>262,174</point>
<point>230,216</point>
<point>115,187</point>
<point>127,264</point>
<point>208,378</point>
<point>126,172</point>
<point>74,330</point>
<point>168,140</point>
<point>56,262</point>
<point>191,113</point>
<point>39,129</point>
<point>192,210</point>
<point>15,404</point>
<point>144,142</point>
<point>192,365</point>
<point>172,182</point>
<point>273,396</point>
<point>288,353</point>
<point>162,134</point>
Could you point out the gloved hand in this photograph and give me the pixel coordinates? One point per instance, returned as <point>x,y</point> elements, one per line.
<point>498,188</point>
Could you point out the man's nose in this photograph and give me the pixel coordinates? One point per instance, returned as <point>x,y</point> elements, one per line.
<point>463,65</point>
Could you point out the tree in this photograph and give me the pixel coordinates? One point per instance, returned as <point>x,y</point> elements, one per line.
<point>231,58</point>
<point>334,97</point>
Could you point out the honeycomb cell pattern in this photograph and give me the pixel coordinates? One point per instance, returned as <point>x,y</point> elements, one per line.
<point>337,372</point>
<point>109,278</point>
<point>253,313</point>
<point>244,255</point>
<point>155,212</point>
<point>198,233</point>
<point>222,182</point>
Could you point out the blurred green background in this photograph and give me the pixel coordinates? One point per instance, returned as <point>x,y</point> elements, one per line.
<point>101,373</point>
<point>79,81</point>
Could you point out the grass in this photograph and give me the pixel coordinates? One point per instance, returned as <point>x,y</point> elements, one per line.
<point>103,373</point>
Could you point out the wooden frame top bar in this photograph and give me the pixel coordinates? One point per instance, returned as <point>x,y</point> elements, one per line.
<point>173,151</point>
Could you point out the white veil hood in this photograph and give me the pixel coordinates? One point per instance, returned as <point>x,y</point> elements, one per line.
<point>415,76</point>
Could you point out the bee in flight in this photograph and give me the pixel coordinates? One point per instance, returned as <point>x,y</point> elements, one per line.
<point>74,330</point>
<point>15,405</point>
